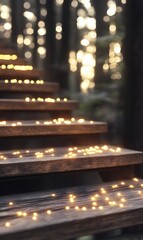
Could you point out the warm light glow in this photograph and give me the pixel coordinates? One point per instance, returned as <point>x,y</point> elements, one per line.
<point>111,8</point>
<point>40,99</point>
<point>7,224</point>
<point>25,81</point>
<point>8,57</point>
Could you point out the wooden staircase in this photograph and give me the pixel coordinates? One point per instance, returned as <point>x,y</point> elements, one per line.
<point>58,178</point>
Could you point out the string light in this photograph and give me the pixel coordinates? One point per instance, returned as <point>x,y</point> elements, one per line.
<point>112,201</point>
<point>66,153</point>
<point>40,99</point>
<point>17,67</point>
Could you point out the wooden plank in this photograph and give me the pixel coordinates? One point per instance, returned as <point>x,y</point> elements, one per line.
<point>47,87</point>
<point>22,105</point>
<point>28,74</point>
<point>30,128</point>
<point>89,210</point>
<point>48,160</point>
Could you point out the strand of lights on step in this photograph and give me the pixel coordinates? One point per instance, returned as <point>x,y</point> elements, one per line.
<point>48,122</point>
<point>70,152</point>
<point>107,198</point>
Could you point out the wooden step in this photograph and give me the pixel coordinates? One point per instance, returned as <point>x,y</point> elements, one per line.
<point>7,59</point>
<point>49,160</point>
<point>42,134</point>
<point>37,105</point>
<point>51,127</point>
<point>27,88</point>
<point>89,210</point>
<point>28,74</point>
<point>17,109</point>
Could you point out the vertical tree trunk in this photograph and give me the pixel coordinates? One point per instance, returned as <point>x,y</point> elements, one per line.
<point>50,36</point>
<point>101,28</point>
<point>133,52</point>
<point>17,19</point>
<point>37,12</point>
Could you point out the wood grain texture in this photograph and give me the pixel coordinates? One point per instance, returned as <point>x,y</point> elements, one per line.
<point>47,87</point>
<point>29,128</point>
<point>38,161</point>
<point>29,74</point>
<point>22,105</point>
<point>63,224</point>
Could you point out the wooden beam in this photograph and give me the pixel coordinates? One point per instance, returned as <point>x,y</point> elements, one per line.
<point>38,161</point>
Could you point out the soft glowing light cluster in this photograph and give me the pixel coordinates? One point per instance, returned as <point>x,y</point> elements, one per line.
<point>85,58</point>
<point>110,198</point>
<point>26,39</point>
<point>25,81</point>
<point>41,50</point>
<point>73,61</point>
<point>112,64</point>
<point>17,67</point>
<point>5,20</point>
<point>40,99</point>
<point>8,57</point>
<point>115,57</point>
<point>58,30</point>
<point>111,8</point>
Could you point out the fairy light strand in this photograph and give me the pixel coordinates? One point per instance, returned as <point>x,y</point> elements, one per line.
<point>89,200</point>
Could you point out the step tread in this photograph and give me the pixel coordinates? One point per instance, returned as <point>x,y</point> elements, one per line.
<point>101,208</point>
<point>11,73</point>
<point>22,105</point>
<point>37,128</point>
<point>48,160</point>
<point>17,87</point>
